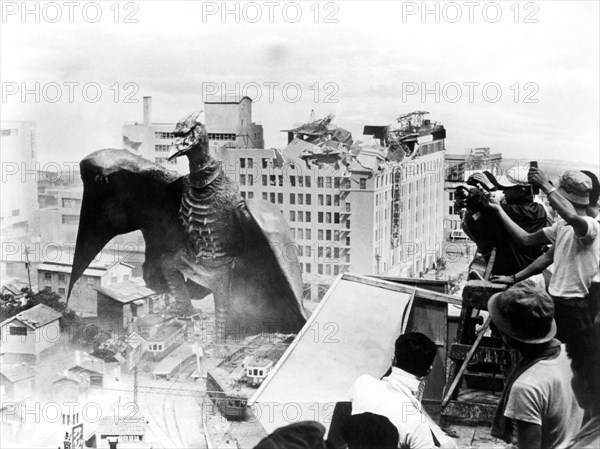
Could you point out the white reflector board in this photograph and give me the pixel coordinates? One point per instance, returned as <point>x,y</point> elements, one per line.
<point>351,333</point>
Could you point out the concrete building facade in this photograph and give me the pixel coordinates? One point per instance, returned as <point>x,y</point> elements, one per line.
<point>18,158</point>
<point>366,217</point>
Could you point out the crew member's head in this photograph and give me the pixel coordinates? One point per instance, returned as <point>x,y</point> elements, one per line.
<point>576,187</point>
<point>585,363</point>
<point>414,353</point>
<point>524,314</point>
<point>369,431</point>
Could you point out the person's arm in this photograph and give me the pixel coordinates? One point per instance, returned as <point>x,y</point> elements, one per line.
<point>559,203</point>
<point>535,267</point>
<point>516,233</point>
<point>527,435</point>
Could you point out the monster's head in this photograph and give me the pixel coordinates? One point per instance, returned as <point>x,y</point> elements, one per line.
<point>191,139</point>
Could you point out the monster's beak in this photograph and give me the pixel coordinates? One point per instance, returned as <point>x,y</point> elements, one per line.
<point>177,149</point>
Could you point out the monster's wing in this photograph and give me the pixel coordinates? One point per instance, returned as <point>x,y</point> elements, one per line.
<point>123,192</point>
<point>268,288</point>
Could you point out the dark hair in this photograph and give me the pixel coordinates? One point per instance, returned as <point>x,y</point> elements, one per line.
<point>585,357</point>
<point>370,431</point>
<point>414,353</point>
<point>595,192</point>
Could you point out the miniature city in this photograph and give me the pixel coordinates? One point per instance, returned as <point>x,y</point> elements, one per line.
<point>112,364</point>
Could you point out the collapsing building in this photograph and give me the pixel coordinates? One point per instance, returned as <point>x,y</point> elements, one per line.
<point>374,207</point>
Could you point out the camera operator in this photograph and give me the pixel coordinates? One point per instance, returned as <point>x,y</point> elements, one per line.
<point>488,232</point>
<point>576,250</point>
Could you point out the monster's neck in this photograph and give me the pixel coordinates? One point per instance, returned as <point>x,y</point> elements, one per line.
<point>199,158</point>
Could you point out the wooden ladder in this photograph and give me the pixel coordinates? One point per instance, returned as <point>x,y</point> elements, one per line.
<point>480,362</point>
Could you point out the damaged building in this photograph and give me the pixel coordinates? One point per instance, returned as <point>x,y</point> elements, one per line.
<point>374,207</point>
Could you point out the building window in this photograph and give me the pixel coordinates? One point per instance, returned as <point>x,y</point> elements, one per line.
<point>162,148</point>
<point>363,183</point>
<point>328,234</point>
<point>18,330</point>
<point>300,234</point>
<point>162,135</point>
<point>300,216</point>
<point>292,198</point>
<point>337,182</point>
<point>265,162</point>
<point>320,268</point>
<point>70,219</point>
<point>328,182</point>
<point>320,217</point>
<point>308,217</point>
<point>320,234</point>
<point>250,195</point>
<point>280,198</point>
<point>300,198</point>
<point>61,291</point>
<point>307,251</point>
<point>307,181</point>
<point>48,276</point>
<point>250,180</point>
<point>320,182</point>
<point>293,181</point>
<point>336,200</point>
<point>61,277</point>
<point>308,232</point>
<point>71,203</point>
<point>320,200</point>
<point>292,215</point>
<point>242,162</point>
<point>307,266</point>
<point>264,180</point>
<point>242,180</point>
<point>265,196</point>
<point>308,199</point>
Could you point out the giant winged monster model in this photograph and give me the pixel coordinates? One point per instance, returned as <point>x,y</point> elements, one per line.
<point>200,235</point>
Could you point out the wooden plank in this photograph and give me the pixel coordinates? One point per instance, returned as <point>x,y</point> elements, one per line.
<point>420,292</point>
<point>463,368</point>
<point>476,293</point>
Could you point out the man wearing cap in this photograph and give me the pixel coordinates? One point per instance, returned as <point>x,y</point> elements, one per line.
<point>538,409</point>
<point>575,252</point>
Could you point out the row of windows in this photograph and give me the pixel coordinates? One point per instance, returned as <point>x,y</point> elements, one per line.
<point>71,203</point>
<point>70,219</point>
<point>162,135</point>
<point>301,198</point>
<point>221,136</point>
<point>329,235</point>
<point>162,148</point>
<point>325,269</point>
<point>155,347</point>
<point>301,216</point>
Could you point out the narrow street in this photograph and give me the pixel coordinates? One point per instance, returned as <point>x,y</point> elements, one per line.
<point>173,412</point>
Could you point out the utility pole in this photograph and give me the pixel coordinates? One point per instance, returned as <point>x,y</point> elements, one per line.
<point>27,267</point>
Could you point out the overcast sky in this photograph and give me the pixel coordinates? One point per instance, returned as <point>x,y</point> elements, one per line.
<point>374,63</point>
